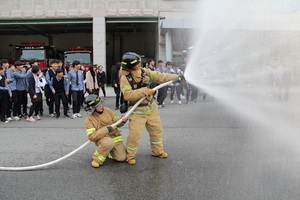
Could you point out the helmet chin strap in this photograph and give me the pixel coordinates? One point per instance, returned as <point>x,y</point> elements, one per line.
<point>98,111</point>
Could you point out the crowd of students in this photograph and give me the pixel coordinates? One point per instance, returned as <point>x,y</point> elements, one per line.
<point>67,85</point>
<point>176,90</point>
<point>59,84</point>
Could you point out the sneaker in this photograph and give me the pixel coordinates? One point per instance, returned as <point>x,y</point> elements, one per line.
<point>74,116</point>
<point>25,115</point>
<point>30,119</point>
<point>52,115</point>
<point>16,118</point>
<point>9,119</point>
<point>179,102</point>
<point>79,115</point>
<point>37,117</point>
<point>5,122</point>
<point>172,101</point>
<point>160,106</point>
<point>66,116</point>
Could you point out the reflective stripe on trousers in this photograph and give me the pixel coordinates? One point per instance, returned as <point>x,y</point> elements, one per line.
<point>99,156</point>
<point>157,143</point>
<point>131,148</point>
<point>118,139</point>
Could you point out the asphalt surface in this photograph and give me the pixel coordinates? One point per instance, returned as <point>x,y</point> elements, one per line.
<point>213,154</point>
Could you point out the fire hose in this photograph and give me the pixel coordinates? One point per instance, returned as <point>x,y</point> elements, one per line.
<point>86,143</point>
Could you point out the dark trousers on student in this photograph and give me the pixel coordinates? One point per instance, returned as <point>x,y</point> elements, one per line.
<point>178,91</point>
<point>4,98</point>
<point>162,94</point>
<point>103,90</point>
<point>22,102</point>
<point>49,99</point>
<point>77,98</point>
<point>35,107</point>
<point>119,97</point>
<point>13,104</point>
<point>60,97</point>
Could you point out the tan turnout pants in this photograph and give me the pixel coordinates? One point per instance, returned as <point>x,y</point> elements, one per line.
<point>108,148</point>
<point>137,122</point>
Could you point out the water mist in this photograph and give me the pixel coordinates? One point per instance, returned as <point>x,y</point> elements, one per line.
<point>245,56</point>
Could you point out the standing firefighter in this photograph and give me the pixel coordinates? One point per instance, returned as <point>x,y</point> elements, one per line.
<point>99,130</point>
<point>135,85</point>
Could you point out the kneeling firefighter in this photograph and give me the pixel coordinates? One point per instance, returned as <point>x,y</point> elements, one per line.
<point>134,84</point>
<point>99,130</point>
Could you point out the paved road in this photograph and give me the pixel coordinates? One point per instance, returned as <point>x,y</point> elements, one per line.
<point>213,155</point>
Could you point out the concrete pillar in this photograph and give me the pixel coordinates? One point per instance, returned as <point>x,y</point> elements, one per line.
<point>169,46</point>
<point>99,41</point>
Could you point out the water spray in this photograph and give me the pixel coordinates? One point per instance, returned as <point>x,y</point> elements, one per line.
<point>244,62</point>
<point>86,143</point>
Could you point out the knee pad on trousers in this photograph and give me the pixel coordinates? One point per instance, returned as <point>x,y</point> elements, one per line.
<point>108,143</point>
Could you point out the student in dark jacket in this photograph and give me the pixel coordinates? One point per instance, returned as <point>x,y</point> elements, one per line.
<point>116,78</point>
<point>48,93</point>
<point>102,79</point>
<point>35,93</point>
<point>5,94</point>
<point>60,89</point>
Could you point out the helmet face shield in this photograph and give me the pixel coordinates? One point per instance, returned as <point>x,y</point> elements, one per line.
<point>91,102</point>
<point>89,110</point>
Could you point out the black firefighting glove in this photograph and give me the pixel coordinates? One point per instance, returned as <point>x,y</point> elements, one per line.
<point>111,128</point>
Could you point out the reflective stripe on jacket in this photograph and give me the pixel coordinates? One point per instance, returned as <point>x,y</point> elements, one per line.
<point>96,125</point>
<point>134,95</point>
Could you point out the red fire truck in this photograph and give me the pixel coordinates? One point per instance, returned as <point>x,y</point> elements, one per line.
<point>82,54</point>
<point>39,51</point>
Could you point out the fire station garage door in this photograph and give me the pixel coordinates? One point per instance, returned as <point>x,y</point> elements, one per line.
<point>45,26</point>
<point>131,34</point>
<point>63,33</point>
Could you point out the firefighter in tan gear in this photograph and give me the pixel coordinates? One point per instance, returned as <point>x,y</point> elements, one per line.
<point>99,130</point>
<point>135,83</point>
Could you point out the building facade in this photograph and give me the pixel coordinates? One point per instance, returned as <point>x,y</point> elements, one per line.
<point>156,29</point>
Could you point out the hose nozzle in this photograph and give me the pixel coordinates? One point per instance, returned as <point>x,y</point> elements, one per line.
<point>180,79</point>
